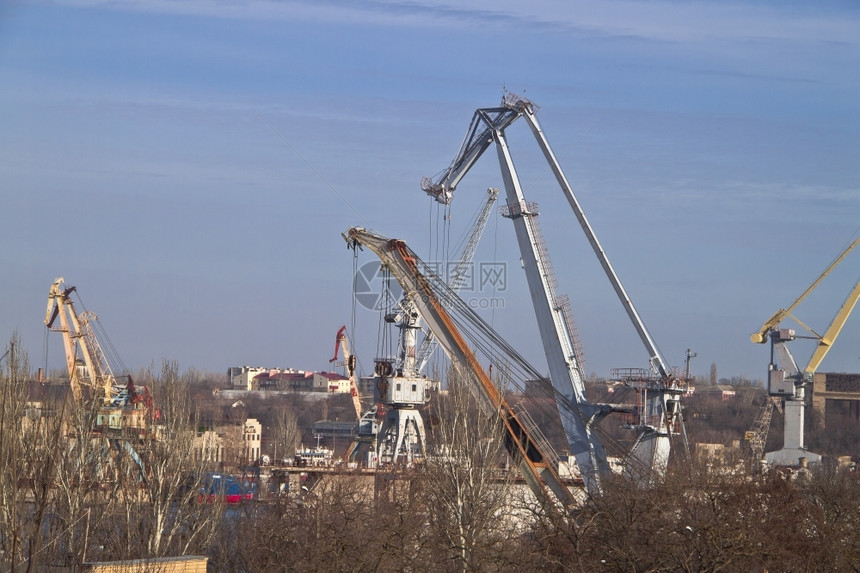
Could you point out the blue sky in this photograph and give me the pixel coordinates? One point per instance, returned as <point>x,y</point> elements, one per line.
<point>190,165</point>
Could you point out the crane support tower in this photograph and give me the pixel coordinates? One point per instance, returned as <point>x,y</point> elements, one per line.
<point>785,379</point>
<point>662,412</point>
<point>404,389</point>
<point>534,463</point>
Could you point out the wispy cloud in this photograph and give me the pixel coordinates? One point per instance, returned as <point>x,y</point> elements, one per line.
<point>667,21</point>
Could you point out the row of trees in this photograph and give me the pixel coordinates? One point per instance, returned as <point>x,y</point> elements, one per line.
<point>682,524</point>
<point>69,494</point>
<point>459,511</point>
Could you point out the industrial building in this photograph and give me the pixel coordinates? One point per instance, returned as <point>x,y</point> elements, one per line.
<point>836,393</point>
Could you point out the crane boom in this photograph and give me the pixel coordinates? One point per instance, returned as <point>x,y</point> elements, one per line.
<point>476,142</point>
<point>474,145</point>
<point>78,336</point>
<point>756,437</point>
<point>656,358</point>
<point>404,265</point>
<point>760,336</point>
<point>349,362</point>
<point>829,337</point>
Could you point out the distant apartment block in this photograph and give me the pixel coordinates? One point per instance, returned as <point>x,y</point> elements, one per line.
<point>253,378</point>
<point>367,386</point>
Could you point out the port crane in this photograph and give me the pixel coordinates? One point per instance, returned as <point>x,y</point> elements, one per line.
<point>661,412</point>
<point>402,386</point>
<point>121,410</point>
<point>367,426</point>
<point>349,362</point>
<point>431,298</point>
<point>79,340</point>
<point>756,438</point>
<point>785,379</point>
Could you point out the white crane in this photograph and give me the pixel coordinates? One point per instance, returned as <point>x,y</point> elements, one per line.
<point>405,388</point>
<point>579,416</point>
<point>431,298</point>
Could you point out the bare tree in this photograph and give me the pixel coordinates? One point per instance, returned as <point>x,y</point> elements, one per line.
<point>337,526</point>
<point>468,497</point>
<point>16,518</point>
<point>286,434</point>
<point>85,474</point>
<point>162,509</point>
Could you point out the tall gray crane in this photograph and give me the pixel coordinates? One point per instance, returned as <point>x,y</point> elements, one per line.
<point>579,416</point>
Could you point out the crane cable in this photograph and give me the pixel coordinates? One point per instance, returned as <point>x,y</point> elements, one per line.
<point>107,346</point>
<point>485,341</point>
<point>488,343</point>
<point>351,334</point>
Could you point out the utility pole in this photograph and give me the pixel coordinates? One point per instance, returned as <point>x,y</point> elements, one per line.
<point>690,356</point>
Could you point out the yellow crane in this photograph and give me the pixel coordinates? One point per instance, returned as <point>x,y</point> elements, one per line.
<point>786,379</point>
<point>760,336</point>
<point>119,406</point>
<point>79,340</point>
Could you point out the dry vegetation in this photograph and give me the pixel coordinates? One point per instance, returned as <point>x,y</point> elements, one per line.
<point>64,501</point>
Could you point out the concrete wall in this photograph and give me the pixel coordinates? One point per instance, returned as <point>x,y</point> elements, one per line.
<point>184,564</point>
<point>834,386</point>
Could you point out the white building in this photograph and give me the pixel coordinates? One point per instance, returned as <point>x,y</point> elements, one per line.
<point>331,382</point>
<point>209,446</point>
<point>230,444</point>
<point>252,378</point>
<point>252,436</point>
<point>247,377</point>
